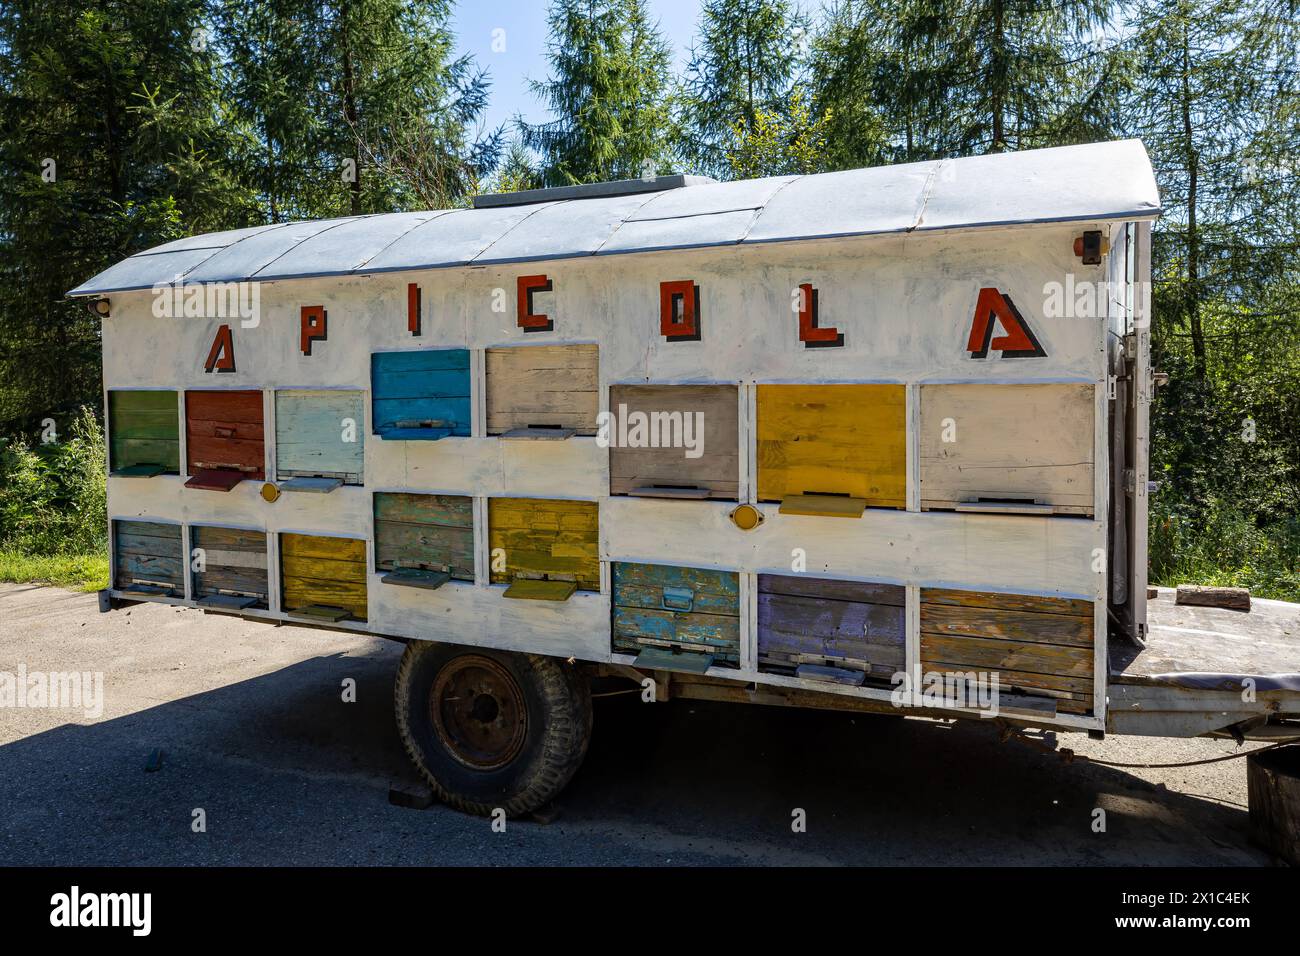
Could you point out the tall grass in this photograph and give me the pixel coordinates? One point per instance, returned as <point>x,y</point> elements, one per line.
<point>1220,545</point>
<point>53,518</point>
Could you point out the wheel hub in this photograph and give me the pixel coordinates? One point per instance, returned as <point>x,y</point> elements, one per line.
<point>478,712</point>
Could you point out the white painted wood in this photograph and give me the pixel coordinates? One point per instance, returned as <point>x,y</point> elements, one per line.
<point>913,412</point>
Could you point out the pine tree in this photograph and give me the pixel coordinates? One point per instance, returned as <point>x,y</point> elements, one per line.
<point>608,92</point>
<point>1215,101</point>
<point>113,141</point>
<point>357,106</point>
<point>745,62</point>
<point>962,77</point>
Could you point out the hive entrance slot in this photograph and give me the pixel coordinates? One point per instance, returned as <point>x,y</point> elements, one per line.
<point>531,589</point>
<point>1005,505</point>
<point>232,601</point>
<point>685,492</point>
<point>831,675</point>
<point>823,504</point>
<point>139,471</point>
<point>320,612</point>
<point>540,433</point>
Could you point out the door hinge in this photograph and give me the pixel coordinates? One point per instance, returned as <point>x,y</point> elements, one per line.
<point>1111,385</point>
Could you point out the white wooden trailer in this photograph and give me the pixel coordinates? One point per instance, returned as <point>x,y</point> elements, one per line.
<point>922,395</point>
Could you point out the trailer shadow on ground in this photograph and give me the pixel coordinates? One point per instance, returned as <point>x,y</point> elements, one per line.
<point>286,772</point>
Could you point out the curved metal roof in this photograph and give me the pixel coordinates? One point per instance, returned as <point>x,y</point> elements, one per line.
<point>1065,184</point>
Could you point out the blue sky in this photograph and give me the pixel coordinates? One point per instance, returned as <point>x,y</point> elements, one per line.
<point>524,23</point>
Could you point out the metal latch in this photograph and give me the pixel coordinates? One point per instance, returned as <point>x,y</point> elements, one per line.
<point>678,599</point>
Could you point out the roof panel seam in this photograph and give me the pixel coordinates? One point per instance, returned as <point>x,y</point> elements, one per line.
<point>271,227</point>
<point>926,191</point>
<point>296,245</point>
<point>540,206</point>
<point>622,222</point>
<point>435,214</point>
<point>763,208</point>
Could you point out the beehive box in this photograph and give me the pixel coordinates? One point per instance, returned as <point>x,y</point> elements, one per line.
<point>1039,645</point>
<point>1026,448</point>
<point>231,566</point>
<point>148,556</point>
<point>319,433</point>
<point>544,539</point>
<point>696,610</point>
<point>810,620</point>
<point>432,532</point>
<point>223,432</point>
<point>543,385</point>
<point>423,393</point>
<point>705,414</point>
<point>144,432</point>
<point>833,440</point>
<point>323,577</point>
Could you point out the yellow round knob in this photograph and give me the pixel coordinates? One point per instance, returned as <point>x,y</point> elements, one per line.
<point>269,491</point>
<point>746,517</point>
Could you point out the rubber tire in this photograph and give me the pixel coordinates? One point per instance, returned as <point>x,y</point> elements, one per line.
<point>558,702</point>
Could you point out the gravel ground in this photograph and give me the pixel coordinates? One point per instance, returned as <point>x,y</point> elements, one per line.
<point>254,731</point>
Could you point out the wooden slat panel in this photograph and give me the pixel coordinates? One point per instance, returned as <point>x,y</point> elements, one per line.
<point>1077,688</point>
<point>323,570</point>
<point>640,618</point>
<point>805,586</point>
<point>833,439</point>
<point>234,561</point>
<point>239,412</point>
<point>992,654</point>
<point>718,467</point>
<point>719,632</point>
<point>421,386</point>
<point>1007,602</point>
<point>224,406</point>
<point>542,385</point>
<point>309,433</point>
<point>148,551</point>
<point>698,580</point>
<point>144,429</point>
<point>1011,441</point>
<point>1010,625</point>
<point>426,530</point>
<point>856,631</point>
<point>1040,644</point>
<point>634,595</point>
<point>546,537</point>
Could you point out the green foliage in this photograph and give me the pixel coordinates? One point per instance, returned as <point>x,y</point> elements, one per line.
<point>789,141</point>
<point>742,71</point>
<point>609,91</point>
<point>110,145</point>
<point>52,494</point>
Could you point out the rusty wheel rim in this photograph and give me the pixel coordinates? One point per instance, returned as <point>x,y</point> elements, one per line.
<point>478,712</point>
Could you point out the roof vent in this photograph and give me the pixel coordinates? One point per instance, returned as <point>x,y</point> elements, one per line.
<point>620,187</point>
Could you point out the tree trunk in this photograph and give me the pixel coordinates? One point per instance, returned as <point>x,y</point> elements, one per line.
<point>1192,291</point>
<point>998,78</point>
<point>350,114</point>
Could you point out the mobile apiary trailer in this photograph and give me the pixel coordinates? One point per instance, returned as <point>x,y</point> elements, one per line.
<point>868,440</point>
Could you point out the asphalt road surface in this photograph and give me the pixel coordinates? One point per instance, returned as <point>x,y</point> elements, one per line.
<point>255,733</point>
